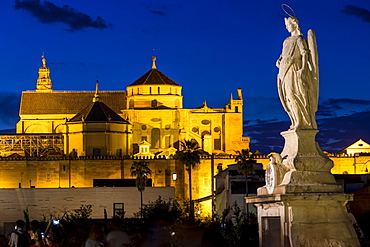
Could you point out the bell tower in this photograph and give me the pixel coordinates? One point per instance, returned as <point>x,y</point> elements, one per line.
<point>44,81</point>
<point>235,105</point>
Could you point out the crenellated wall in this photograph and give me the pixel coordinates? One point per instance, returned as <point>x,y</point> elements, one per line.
<point>343,164</point>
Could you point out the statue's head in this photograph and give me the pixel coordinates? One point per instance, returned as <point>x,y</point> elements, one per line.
<point>292,24</point>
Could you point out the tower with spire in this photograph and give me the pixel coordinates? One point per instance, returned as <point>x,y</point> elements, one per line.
<point>44,81</point>
<point>235,105</point>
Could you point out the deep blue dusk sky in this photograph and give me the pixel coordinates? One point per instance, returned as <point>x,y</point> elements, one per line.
<point>211,48</point>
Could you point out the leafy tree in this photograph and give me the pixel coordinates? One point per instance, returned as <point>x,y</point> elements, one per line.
<point>161,209</point>
<point>78,215</point>
<point>189,155</point>
<point>140,170</point>
<point>239,228</point>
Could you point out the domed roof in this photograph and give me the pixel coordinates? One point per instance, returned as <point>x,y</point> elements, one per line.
<point>97,112</point>
<point>154,77</point>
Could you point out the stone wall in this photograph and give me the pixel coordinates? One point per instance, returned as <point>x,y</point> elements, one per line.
<point>80,173</point>
<point>342,164</point>
<point>40,202</point>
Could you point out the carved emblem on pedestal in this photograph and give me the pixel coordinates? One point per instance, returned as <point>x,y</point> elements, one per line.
<point>270,178</point>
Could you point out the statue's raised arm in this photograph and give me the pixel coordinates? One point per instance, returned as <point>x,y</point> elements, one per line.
<point>298,77</point>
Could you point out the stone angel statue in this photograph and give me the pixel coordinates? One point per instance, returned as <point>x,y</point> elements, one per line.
<point>298,78</point>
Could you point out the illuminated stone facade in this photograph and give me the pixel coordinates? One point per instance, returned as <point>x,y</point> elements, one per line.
<point>358,147</point>
<point>99,134</point>
<point>152,107</point>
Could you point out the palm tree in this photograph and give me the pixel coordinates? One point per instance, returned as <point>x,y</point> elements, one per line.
<point>140,170</point>
<point>189,155</point>
<point>245,163</point>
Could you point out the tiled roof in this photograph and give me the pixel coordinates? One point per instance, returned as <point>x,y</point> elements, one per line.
<point>97,112</point>
<point>68,102</point>
<point>154,77</point>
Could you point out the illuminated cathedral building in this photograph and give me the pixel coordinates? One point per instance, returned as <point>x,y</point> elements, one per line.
<point>114,123</point>
<point>90,139</point>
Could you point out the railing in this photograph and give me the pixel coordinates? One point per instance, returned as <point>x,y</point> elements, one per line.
<point>32,145</point>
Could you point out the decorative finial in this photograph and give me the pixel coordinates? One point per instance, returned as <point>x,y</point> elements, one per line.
<point>43,81</point>
<point>96,95</point>
<point>154,66</point>
<point>43,59</point>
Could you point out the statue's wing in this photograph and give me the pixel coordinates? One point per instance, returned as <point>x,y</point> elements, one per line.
<point>312,46</point>
<point>314,63</point>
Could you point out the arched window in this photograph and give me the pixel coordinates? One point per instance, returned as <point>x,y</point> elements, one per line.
<point>156,134</point>
<point>167,141</point>
<point>131,104</point>
<point>36,128</point>
<point>205,132</point>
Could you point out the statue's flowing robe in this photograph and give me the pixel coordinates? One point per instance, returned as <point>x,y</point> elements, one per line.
<point>298,91</point>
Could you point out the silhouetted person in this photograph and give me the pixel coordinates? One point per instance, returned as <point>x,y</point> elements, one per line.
<point>20,237</point>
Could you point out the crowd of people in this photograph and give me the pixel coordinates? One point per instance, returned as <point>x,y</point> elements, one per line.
<point>55,235</point>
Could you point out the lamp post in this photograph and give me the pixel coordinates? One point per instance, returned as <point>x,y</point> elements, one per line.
<point>366,170</point>
<point>364,164</point>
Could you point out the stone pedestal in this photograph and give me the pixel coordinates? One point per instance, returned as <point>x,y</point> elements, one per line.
<point>304,219</point>
<point>301,204</point>
<point>303,166</point>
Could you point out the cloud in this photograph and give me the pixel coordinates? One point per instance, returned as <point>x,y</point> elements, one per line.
<point>361,13</point>
<point>48,12</point>
<point>9,109</point>
<point>348,101</point>
<point>265,121</point>
<point>264,109</point>
<point>157,9</point>
<point>341,122</point>
<point>335,133</point>
<point>157,12</point>
<point>341,107</point>
<point>68,64</point>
